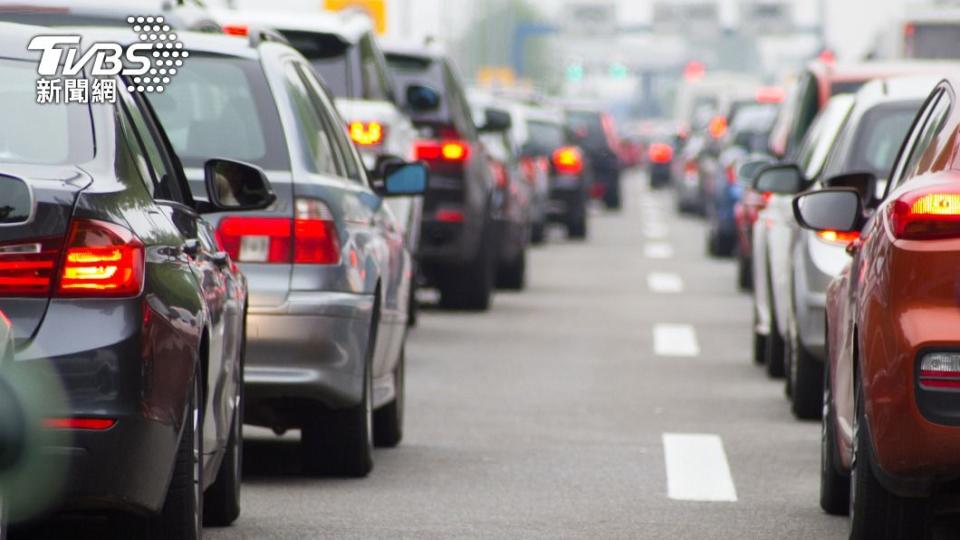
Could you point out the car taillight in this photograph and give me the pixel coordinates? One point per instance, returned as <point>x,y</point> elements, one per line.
<point>449,215</point>
<point>27,268</point>
<point>309,238</point>
<point>731,175</point>
<point>442,150</point>
<point>940,370</point>
<point>240,30</point>
<point>500,177</point>
<point>96,424</point>
<point>367,133</point>
<point>101,259</point>
<point>690,167</point>
<point>568,160</point>
<point>838,237</point>
<point>717,127</point>
<point>926,216</point>
<point>660,153</point>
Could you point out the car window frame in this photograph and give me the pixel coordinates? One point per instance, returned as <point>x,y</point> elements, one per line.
<point>901,171</point>
<point>289,72</point>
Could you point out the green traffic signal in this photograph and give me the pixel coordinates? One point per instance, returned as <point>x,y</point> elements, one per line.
<point>575,72</point>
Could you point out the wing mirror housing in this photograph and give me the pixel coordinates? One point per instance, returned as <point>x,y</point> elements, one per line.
<point>780,179</point>
<point>235,186</point>
<point>395,177</point>
<point>422,99</point>
<point>497,121</point>
<point>748,171</point>
<point>831,209</point>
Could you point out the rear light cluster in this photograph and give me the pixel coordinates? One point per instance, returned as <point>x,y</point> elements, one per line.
<point>717,127</point>
<point>367,133</point>
<point>500,175</point>
<point>838,237</point>
<point>95,424</point>
<point>100,259</point>
<point>532,167</point>
<point>940,370</point>
<point>926,216</point>
<point>568,160</point>
<point>450,150</point>
<point>660,153</point>
<point>309,238</point>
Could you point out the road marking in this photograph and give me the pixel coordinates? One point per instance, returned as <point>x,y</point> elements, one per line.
<point>665,283</point>
<point>655,231</point>
<point>697,468</point>
<point>657,250</point>
<point>675,340</point>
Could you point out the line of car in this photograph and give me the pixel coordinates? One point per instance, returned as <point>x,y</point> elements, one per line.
<point>245,246</point>
<point>847,220</point>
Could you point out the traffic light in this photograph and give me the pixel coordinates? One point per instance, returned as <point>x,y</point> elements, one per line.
<point>575,72</point>
<point>619,71</point>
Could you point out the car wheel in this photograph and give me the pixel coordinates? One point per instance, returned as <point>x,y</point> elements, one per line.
<point>611,196</point>
<point>513,275</point>
<point>538,233</point>
<point>745,273</point>
<point>182,515</point>
<point>806,381</point>
<point>221,503</point>
<point>340,442</point>
<point>470,287</point>
<point>775,345</point>
<point>759,343</point>
<point>577,223</point>
<point>714,249</point>
<point>388,420</point>
<point>834,486</point>
<point>875,513</point>
<point>413,307</point>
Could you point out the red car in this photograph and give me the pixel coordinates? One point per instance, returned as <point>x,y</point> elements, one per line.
<point>891,423</point>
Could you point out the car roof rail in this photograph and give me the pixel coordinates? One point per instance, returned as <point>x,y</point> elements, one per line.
<point>260,35</point>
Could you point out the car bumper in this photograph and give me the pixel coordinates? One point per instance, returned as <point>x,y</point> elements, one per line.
<point>567,197</point>
<point>311,348</point>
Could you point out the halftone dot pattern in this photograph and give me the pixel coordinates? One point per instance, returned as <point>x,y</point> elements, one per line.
<point>167,52</point>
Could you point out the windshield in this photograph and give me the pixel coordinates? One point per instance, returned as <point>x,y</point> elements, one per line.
<point>222,107</point>
<point>45,134</point>
<point>543,137</point>
<point>933,41</point>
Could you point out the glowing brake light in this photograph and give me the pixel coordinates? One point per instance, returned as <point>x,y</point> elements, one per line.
<point>96,424</point>
<point>568,160</point>
<point>717,127</point>
<point>660,153</point>
<point>926,216</point>
<point>102,259</point>
<point>240,30</point>
<point>442,151</point>
<point>838,237</point>
<point>367,133</point>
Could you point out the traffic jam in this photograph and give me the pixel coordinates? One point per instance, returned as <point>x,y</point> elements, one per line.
<point>499,269</point>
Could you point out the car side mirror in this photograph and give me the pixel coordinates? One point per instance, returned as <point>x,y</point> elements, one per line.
<point>831,209</point>
<point>16,201</point>
<point>783,179</point>
<point>395,177</point>
<point>865,183</point>
<point>235,186</point>
<point>422,98</point>
<point>497,121</point>
<point>748,171</point>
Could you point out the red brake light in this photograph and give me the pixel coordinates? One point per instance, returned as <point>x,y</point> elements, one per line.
<point>660,153</point>
<point>690,167</point>
<point>241,30</point>
<point>101,259</point>
<point>717,127</point>
<point>98,424</point>
<point>568,160</point>
<point>309,238</point>
<point>770,94</point>
<point>27,267</point>
<point>442,151</point>
<point>838,237</point>
<point>367,133</point>
<point>449,215</point>
<point>926,216</point>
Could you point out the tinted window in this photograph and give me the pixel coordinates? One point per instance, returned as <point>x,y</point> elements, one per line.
<point>50,134</point>
<point>543,137</point>
<point>587,127</point>
<point>313,134</point>
<point>329,56</point>
<point>222,107</point>
<point>879,137</point>
<point>845,87</point>
<point>933,41</point>
<point>161,169</point>
<point>17,204</point>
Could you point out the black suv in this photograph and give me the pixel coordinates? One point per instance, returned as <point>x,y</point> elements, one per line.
<point>458,236</point>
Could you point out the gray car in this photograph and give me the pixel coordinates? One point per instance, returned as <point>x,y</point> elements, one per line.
<point>328,268</point>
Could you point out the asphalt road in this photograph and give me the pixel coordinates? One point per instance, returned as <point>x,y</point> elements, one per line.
<point>602,402</point>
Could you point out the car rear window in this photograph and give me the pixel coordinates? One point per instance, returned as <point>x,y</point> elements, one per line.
<point>845,87</point>
<point>329,55</point>
<point>43,134</point>
<point>543,137</point>
<point>408,70</point>
<point>933,41</point>
<point>222,107</point>
<point>587,126</point>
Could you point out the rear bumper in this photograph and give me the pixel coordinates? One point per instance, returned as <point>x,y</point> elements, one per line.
<point>660,174</point>
<point>567,198</point>
<point>311,348</point>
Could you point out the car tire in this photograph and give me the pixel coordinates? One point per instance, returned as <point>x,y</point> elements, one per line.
<point>834,485</point>
<point>806,382</point>
<point>577,223</point>
<point>538,233</point>
<point>181,517</point>
<point>388,420</point>
<point>714,249</point>
<point>513,275</point>
<point>221,502</point>
<point>413,307</point>
<point>775,345</point>
<point>875,513</point>
<point>340,442</point>
<point>745,273</point>
<point>470,287</point>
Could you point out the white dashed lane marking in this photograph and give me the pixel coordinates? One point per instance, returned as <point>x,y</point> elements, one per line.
<point>658,250</point>
<point>675,340</point>
<point>664,283</point>
<point>697,468</point>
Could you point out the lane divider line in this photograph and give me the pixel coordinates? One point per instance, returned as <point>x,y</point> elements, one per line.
<point>664,283</point>
<point>675,340</point>
<point>658,250</point>
<point>697,468</point>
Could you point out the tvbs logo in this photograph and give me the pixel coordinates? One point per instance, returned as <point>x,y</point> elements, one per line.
<point>69,73</point>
